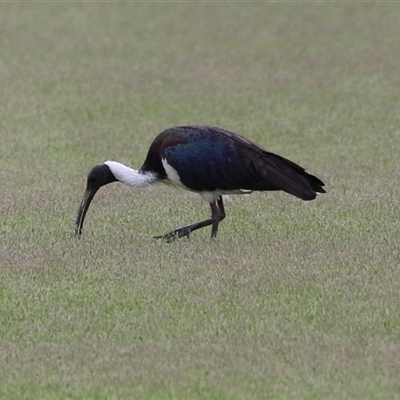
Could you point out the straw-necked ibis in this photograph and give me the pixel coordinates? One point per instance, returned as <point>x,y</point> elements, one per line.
<point>209,161</point>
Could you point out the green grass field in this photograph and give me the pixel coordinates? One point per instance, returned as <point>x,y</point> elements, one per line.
<point>294,300</point>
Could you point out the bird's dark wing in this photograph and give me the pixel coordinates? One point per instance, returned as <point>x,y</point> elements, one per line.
<point>208,158</point>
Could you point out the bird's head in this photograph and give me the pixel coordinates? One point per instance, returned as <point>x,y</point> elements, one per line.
<point>99,176</point>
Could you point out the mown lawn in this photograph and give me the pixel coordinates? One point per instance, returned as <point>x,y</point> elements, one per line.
<point>294,300</point>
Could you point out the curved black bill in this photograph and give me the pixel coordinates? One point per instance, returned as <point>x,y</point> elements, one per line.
<point>99,176</point>
<point>86,200</point>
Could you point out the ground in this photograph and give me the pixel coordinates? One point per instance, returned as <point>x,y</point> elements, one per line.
<point>294,299</point>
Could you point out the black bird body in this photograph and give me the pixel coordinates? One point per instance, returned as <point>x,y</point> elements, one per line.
<point>213,159</point>
<point>212,162</point>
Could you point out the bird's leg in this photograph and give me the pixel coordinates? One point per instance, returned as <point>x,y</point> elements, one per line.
<point>184,230</point>
<point>216,216</point>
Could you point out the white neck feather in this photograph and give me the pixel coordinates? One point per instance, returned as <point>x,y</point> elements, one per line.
<point>130,176</point>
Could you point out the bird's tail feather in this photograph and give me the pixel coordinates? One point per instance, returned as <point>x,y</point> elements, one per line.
<point>293,179</point>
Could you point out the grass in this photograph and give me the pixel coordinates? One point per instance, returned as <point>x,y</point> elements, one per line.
<point>294,300</point>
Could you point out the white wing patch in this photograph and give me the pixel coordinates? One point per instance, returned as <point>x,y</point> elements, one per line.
<point>173,175</point>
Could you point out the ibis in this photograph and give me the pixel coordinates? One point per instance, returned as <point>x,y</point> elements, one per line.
<point>210,161</point>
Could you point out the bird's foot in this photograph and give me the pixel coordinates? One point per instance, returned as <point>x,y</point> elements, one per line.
<point>173,235</point>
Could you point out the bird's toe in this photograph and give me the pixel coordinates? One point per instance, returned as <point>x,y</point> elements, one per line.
<point>173,235</point>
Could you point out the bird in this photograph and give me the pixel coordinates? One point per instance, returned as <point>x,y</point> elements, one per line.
<point>207,160</point>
